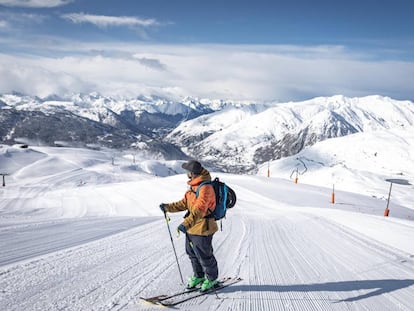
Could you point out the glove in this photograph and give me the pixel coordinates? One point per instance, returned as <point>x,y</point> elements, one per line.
<point>163,207</point>
<point>181,228</point>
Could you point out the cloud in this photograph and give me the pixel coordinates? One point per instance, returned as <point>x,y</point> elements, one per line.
<point>15,19</point>
<point>151,63</point>
<point>34,3</point>
<point>29,77</point>
<point>280,73</point>
<point>109,21</point>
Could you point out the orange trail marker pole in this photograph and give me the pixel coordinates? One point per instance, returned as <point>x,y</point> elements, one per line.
<point>395,181</point>
<point>333,195</point>
<point>268,169</point>
<point>387,210</point>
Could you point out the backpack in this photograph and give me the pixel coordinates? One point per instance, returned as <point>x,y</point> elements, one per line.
<point>225,198</point>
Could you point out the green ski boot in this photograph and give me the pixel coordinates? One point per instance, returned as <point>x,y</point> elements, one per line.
<point>194,281</point>
<point>207,284</point>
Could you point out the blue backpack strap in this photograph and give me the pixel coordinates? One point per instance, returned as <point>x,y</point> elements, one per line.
<point>224,199</point>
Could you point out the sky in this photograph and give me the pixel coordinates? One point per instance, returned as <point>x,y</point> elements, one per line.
<point>261,50</point>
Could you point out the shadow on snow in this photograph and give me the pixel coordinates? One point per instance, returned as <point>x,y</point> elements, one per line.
<point>378,287</point>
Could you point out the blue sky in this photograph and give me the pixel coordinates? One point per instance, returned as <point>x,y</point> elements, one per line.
<point>258,50</point>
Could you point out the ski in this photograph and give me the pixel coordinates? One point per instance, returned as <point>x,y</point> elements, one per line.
<point>162,300</point>
<point>221,285</point>
<point>159,298</point>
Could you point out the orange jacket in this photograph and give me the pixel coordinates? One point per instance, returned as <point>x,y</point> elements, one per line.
<point>198,207</point>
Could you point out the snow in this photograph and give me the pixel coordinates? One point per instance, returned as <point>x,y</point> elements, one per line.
<point>358,163</point>
<point>245,136</point>
<point>81,230</point>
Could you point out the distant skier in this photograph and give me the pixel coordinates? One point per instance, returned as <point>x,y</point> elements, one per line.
<point>198,228</point>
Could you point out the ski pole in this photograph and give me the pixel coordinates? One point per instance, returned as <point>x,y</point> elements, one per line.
<point>167,220</point>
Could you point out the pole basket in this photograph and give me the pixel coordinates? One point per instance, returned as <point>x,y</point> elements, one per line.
<point>386,212</point>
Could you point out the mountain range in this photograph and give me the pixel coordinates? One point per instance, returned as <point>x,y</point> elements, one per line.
<point>231,136</point>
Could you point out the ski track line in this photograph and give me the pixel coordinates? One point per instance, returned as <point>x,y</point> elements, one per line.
<point>249,240</point>
<point>392,255</point>
<point>229,241</point>
<point>131,292</point>
<point>167,276</point>
<point>80,263</point>
<point>294,265</point>
<point>287,270</point>
<point>234,243</point>
<point>289,260</point>
<point>124,283</point>
<point>353,264</point>
<point>23,245</point>
<point>389,264</point>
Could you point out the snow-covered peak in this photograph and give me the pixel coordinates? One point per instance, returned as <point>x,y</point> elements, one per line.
<point>285,128</point>
<point>237,134</point>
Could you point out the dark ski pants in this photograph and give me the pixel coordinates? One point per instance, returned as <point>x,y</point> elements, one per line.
<point>200,250</point>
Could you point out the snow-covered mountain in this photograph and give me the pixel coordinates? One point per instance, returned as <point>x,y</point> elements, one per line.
<point>94,120</point>
<point>230,136</point>
<point>240,139</point>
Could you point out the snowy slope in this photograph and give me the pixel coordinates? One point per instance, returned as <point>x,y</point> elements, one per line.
<point>358,163</point>
<point>78,233</point>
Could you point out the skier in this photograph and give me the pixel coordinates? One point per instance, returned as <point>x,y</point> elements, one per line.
<point>198,228</point>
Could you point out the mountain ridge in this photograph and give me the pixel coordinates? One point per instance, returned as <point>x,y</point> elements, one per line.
<point>232,136</point>
<point>285,129</point>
